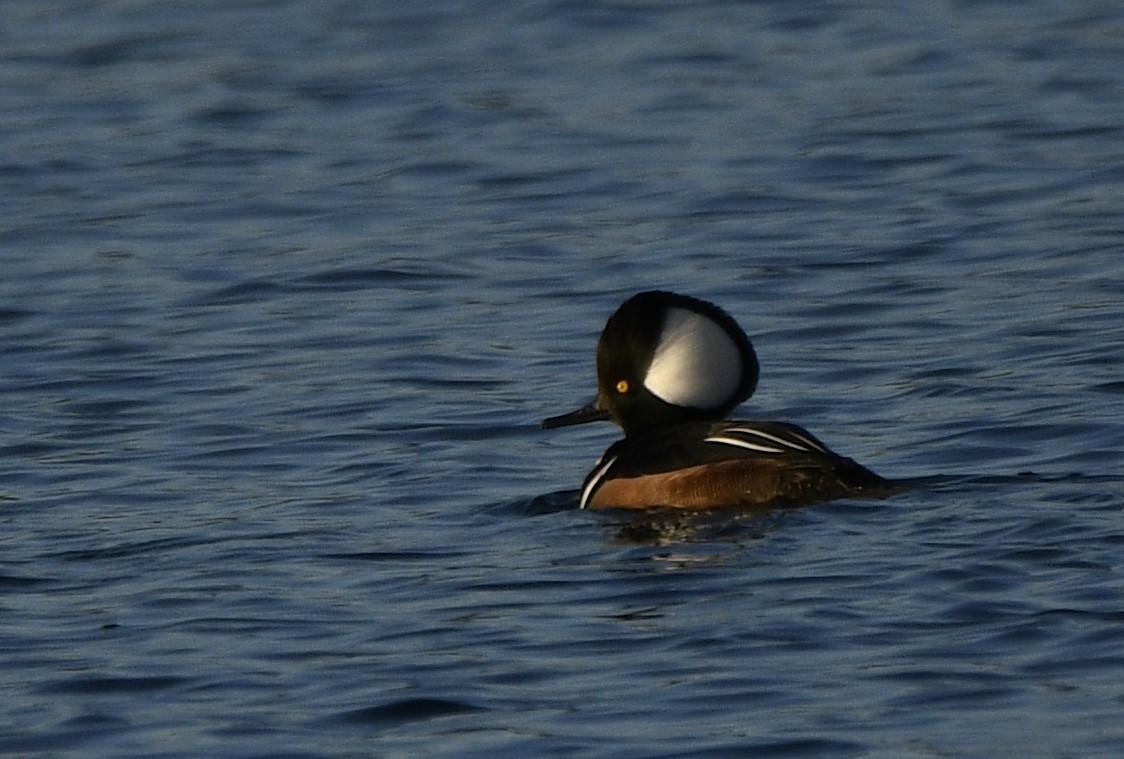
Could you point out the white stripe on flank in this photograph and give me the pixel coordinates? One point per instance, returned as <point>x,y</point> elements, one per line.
<point>791,440</point>
<point>743,444</point>
<point>594,481</point>
<point>812,444</point>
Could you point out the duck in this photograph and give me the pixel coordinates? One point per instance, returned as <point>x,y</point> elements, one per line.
<point>670,369</point>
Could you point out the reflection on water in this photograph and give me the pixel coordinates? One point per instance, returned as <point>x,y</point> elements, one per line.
<point>662,527</point>
<point>287,288</point>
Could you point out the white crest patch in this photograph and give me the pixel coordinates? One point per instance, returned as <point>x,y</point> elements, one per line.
<point>696,364</point>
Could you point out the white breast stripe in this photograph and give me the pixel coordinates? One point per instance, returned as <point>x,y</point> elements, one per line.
<point>743,444</point>
<point>594,481</point>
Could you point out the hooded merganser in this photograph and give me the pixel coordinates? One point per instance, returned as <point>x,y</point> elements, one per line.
<point>669,369</point>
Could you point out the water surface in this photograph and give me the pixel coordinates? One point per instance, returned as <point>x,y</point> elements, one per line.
<point>287,288</point>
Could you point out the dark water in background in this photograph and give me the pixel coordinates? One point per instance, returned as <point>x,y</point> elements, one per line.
<point>287,286</point>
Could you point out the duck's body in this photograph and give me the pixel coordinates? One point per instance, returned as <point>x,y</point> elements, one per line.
<point>732,463</point>
<point>670,367</point>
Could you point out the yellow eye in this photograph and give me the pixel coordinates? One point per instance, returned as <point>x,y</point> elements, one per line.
<point>623,387</point>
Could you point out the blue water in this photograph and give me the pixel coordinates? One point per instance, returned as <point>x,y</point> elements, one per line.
<point>287,287</point>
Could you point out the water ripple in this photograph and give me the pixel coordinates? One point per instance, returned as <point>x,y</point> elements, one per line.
<point>288,287</point>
